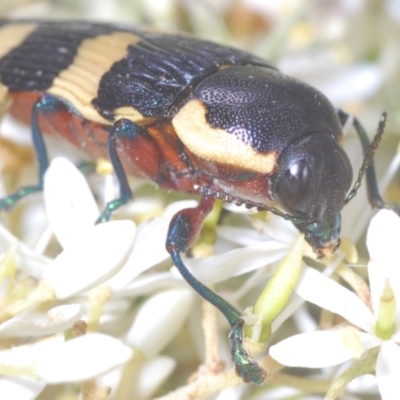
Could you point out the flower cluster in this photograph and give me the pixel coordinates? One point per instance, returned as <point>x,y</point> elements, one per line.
<point>99,312</point>
<point>60,303</point>
<point>371,333</point>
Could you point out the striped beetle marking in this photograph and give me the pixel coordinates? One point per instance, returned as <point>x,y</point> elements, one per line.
<point>189,115</point>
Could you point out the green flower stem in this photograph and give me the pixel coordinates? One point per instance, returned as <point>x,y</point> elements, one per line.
<point>98,297</point>
<point>385,325</point>
<point>362,367</point>
<point>356,282</point>
<point>278,290</point>
<point>208,233</point>
<point>129,383</point>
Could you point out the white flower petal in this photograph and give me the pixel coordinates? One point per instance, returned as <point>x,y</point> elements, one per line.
<point>82,358</point>
<point>388,370</point>
<point>237,393</point>
<point>393,10</point>
<point>304,320</point>
<point>26,355</point>
<point>233,208</point>
<point>377,283</point>
<point>159,319</point>
<point>38,324</point>
<point>274,228</point>
<point>173,208</point>
<point>323,71</point>
<point>19,388</point>
<point>70,205</point>
<point>15,130</point>
<point>396,336</point>
<point>150,283</point>
<point>381,237</point>
<point>241,236</point>
<point>153,374</point>
<point>316,349</point>
<point>357,214</point>
<point>328,294</point>
<point>346,84</point>
<point>149,250</point>
<point>281,230</point>
<point>382,243</point>
<point>114,315</point>
<point>27,260</point>
<point>363,384</point>
<point>91,262</point>
<point>235,262</point>
<point>111,379</point>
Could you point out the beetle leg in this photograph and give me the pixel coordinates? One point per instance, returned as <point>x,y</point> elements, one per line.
<point>183,231</point>
<point>46,104</point>
<point>123,128</point>
<point>368,166</point>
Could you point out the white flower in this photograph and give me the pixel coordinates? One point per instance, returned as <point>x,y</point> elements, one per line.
<point>159,313</point>
<point>57,319</point>
<point>377,327</point>
<point>54,360</point>
<point>93,255</point>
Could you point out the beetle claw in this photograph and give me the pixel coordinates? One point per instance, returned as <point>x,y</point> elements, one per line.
<point>250,371</point>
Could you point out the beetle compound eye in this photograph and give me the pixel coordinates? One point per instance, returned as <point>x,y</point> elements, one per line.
<point>294,188</point>
<point>345,167</point>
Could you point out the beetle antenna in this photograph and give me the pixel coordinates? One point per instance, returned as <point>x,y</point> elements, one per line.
<point>204,190</point>
<point>369,152</point>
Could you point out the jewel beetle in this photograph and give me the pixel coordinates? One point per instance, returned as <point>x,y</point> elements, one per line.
<point>188,115</point>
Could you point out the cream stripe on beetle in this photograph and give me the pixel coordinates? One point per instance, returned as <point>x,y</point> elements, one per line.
<point>216,144</point>
<point>79,83</point>
<point>12,35</point>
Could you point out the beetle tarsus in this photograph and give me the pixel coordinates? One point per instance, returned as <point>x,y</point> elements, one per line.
<point>8,202</point>
<point>245,367</point>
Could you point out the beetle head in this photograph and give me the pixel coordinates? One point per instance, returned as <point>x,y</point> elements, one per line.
<point>312,178</point>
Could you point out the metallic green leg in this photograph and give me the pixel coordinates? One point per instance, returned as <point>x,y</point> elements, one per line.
<point>46,104</point>
<point>183,231</point>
